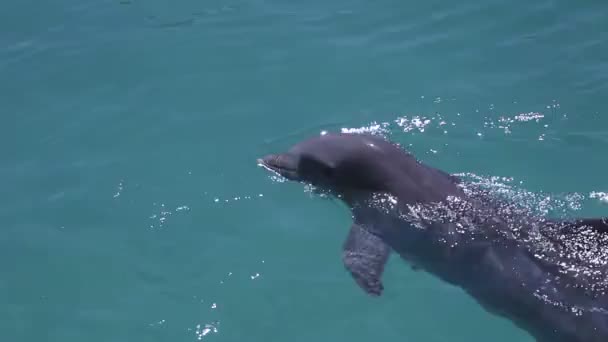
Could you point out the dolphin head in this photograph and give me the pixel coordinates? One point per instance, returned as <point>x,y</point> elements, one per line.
<point>336,162</point>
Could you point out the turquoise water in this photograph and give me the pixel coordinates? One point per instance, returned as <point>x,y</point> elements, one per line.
<point>131,205</point>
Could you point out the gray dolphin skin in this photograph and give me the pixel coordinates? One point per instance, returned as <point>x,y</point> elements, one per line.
<point>547,276</point>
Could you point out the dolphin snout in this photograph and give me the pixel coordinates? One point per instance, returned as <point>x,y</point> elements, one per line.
<point>270,160</point>
<point>283,164</point>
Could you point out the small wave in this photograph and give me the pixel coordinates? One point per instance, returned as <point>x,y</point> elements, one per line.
<point>373,128</point>
<point>432,123</point>
<point>602,196</point>
<point>203,330</point>
<point>415,123</point>
<point>238,198</point>
<point>160,218</point>
<point>539,203</point>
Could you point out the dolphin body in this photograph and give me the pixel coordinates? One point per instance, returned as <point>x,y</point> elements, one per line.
<point>549,277</point>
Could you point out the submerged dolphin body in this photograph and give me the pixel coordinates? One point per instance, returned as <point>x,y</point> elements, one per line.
<point>548,277</point>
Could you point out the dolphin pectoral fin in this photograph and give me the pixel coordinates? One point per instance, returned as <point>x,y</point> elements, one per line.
<point>364,256</point>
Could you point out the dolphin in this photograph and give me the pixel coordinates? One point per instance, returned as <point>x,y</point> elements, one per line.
<point>547,276</point>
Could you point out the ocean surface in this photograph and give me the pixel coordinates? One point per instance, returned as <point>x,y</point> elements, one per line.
<point>131,205</point>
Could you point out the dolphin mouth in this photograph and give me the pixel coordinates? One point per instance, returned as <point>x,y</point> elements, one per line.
<point>282,164</point>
